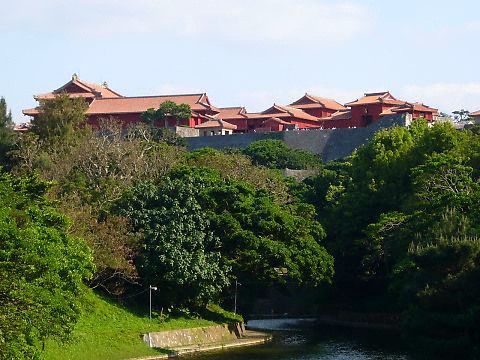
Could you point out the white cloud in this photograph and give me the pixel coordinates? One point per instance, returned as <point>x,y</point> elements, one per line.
<point>284,22</point>
<point>445,96</point>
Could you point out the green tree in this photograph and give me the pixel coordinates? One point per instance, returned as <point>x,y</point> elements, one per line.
<point>262,239</point>
<point>8,137</point>
<point>402,221</point>
<point>6,120</point>
<point>440,284</point>
<point>275,154</point>
<point>166,110</point>
<point>41,269</point>
<point>179,254</point>
<point>232,165</point>
<point>59,117</point>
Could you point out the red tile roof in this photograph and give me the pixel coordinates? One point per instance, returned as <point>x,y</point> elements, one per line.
<point>424,108</point>
<point>103,89</point>
<point>476,113</point>
<point>309,101</point>
<point>376,98</point>
<point>237,112</point>
<point>339,115</point>
<point>215,123</point>
<point>409,107</point>
<point>125,105</point>
<point>389,111</point>
<point>280,111</point>
<point>277,120</point>
<point>30,112</point>
<point>86,89</point>
<point>52,95</point>
<point>298,113</point>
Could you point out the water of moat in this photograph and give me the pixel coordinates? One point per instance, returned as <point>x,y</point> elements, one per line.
<point>318,342</point>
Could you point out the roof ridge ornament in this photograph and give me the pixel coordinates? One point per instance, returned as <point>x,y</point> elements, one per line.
<point>74,77</point>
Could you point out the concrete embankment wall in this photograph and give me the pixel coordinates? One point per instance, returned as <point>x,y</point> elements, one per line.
<point>196,336</point>
<point>331,144</point>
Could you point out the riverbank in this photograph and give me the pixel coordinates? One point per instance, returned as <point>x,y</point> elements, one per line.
<point>107,330</point>
<point>251,338</point>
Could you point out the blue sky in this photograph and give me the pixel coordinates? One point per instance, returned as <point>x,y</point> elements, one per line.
<point>245,52</point>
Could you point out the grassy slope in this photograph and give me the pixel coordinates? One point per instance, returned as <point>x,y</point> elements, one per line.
<point>108,331</point>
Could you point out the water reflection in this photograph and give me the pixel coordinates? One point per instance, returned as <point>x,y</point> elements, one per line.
<point>313,342</point>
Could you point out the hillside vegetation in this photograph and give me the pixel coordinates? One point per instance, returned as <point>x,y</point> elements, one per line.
<point>107,330</point>
<point>141,210</point>
<point>393,229</point>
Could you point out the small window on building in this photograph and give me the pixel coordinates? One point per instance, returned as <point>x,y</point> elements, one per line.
<point>212,132</point>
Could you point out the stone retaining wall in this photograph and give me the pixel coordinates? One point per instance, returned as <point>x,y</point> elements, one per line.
<point>184,131</point>
<point>331,144</point>
<point>172,339</point>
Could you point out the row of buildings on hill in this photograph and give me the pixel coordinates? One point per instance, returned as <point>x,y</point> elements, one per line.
<point>307,112</point>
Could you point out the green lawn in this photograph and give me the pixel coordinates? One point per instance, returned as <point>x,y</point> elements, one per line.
<point>107,331</point>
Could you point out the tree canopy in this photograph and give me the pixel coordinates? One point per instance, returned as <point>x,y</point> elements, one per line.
<point>59,117</point>
<point>8,137</point>
<point>259,234</point>
<point>276,154</point>
<point>401,216</point>
<point>41,269</point>
<point>197,225</point>
<point>6,120</point>
<point>167,109</point>
<point>180,254</point>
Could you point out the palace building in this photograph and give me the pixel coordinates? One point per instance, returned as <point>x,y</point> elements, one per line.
<point>317,106</point>
<point>308,112</point>
<point>105,103</point>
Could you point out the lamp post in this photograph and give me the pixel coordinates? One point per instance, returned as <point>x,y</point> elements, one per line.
<point>235,299</point>
<point>154,288</point>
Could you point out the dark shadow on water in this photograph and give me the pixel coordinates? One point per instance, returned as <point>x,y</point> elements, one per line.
<point>326,343</point>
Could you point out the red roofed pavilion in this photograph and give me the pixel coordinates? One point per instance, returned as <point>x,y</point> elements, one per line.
<point>296,117</point>
<point>106,103</point>
<point>236,116</point>
<point>317,106</point>
<point>373,106</point>
<point>417,110</point>
<point>215,127</point>
<point>80,88</point>
<point>369,108</point>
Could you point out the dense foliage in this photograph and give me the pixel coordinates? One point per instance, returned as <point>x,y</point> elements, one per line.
<point>275,154</point>
<point>121,186</point>
<point>59,117</point>
<point>166,110</point>
<point>180,255</point>
<point>6,120</point>
<point>400,217</point>
<point>197,225</point>
<point>7,135</point>
<point>262,238</point>
<point>402,221</point>
<point>41,269</point>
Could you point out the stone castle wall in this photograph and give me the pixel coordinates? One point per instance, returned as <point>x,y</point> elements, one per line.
<point>331,144</point>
